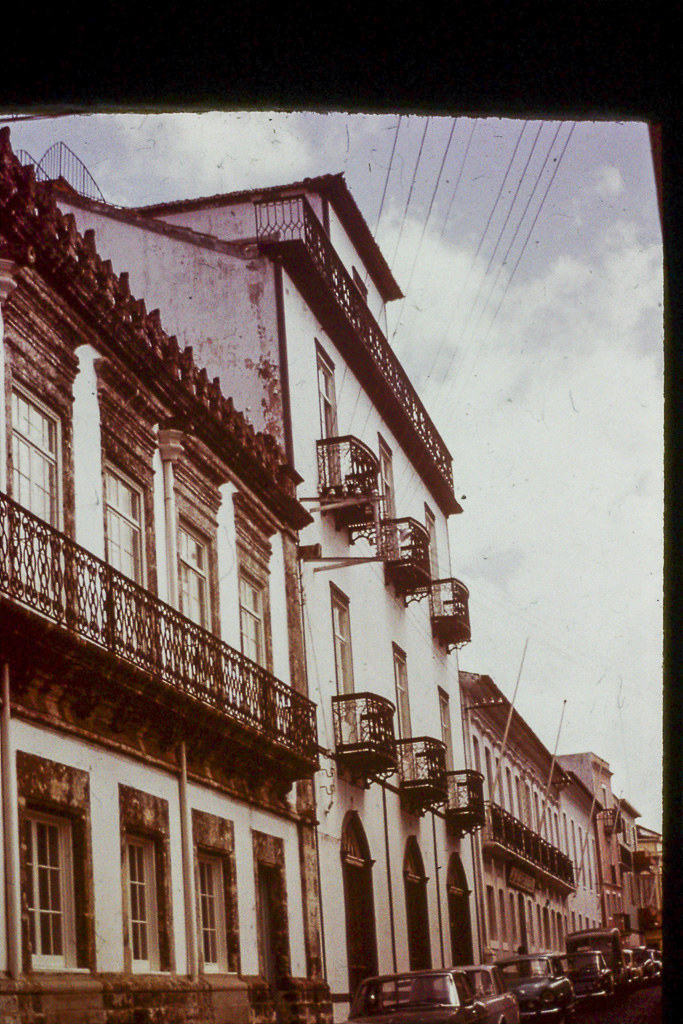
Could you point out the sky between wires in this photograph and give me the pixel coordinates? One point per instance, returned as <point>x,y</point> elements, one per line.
<point>530,255</point>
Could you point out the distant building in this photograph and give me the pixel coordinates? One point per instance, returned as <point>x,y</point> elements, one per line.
<point>647,864</point>
<point>532,848</point>
<point>158,742</point>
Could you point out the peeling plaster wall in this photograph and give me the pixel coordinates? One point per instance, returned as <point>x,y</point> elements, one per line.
<point>221,305</point>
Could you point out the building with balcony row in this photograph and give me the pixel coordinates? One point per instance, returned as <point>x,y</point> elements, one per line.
<point>648,870</point>
<point>281,293</point>
<point>535,859</point>
<point>158,742</point>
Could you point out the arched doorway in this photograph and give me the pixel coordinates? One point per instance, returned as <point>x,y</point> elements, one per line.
<point>459,922</point>
<point>359,903</point>
<point>417,913</point>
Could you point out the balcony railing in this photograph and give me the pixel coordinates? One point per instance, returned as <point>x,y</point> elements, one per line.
<point>283,225</point>
<point>404,546</point>
<point>612,820</point>
<point>465,809</point>
<point>422,773</point>
<point>47,573</point>
<point>642,861</point>
<point>449,611</point>
<point>364,734</point>
<point>348,482</point>
<point>504,831</point>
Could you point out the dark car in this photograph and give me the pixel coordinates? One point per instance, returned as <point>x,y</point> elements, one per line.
<point>543,991</point>
<point>589,974</point>
<point>491,990</point>
<point>417,997</point>
<point>644,958</point>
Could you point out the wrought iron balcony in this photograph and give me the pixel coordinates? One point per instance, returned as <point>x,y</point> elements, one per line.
<point>364,734</point>
<point>612,821</point>
<point>404,546</point>
<point>289,228</point>
<point>505,834</point>
<point>643,861</point>
<point>449,612</point>
<point>348,482</point>
<point>465,809</point>
<point>57,582</point>
<point>422,773</point>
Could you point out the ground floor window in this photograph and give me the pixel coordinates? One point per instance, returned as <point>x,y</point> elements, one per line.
<point>142,907</point>
<point>212,913</point>
<point>50,892</point>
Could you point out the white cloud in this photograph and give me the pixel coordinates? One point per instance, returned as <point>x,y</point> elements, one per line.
<point>608,182</point>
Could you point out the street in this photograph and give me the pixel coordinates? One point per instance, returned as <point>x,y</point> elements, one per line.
<point>641,1007</point>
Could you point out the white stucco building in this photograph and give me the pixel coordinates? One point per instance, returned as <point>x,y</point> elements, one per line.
<point>282,294</point>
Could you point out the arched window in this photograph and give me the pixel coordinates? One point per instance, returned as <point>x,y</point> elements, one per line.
<point>459,912</point>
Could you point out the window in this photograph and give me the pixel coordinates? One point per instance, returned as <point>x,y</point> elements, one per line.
<point>212,913</point>
<point>402,700</point>
<point>508,776</point>
<point>251,620</point>
<point>430,523</point>
<point>341,632</point>
<point>386,472</point>
<point>503,923</point>
<point>50,893</point>
<point>477,754</point>
<point>142,909</point>
<point>124,526</point>
<point>446,734</point>
<point>491,906</point>
<point>327,399</point>
<point>192,555</point>
<point>34,457</point>
<point>489,771</point>
<point>513,923</point>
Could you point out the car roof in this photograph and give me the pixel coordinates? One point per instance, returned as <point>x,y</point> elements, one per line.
<point>435,971</point>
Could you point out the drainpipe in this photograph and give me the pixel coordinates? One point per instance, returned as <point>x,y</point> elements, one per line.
<point>188,887</point>
<point>170,450</point>
<point>390,892</point>
<point>437,868</point>
<point>10,818</point>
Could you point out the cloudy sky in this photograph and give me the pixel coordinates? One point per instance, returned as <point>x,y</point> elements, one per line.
<point>530,256</point>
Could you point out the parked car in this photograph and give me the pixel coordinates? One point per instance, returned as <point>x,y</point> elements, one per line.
<point>589,974</point>
<point>491,990</point>
<point>644,958</point>
<point>417,997</point>
<point>606,941</point>
<point>543,991</point>
<point>634,972</point>
<point>657,960</point>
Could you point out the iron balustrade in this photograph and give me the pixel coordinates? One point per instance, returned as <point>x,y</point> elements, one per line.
<point>348,472</point>
<point>465,807</point>
<point>364,732</point>
<point>50,574</point>
<point>612,821</point>
<point>292,220</point>
<point>449,612</point>
<point>404,546</point>
<point>642,861</point>
<point>503,829</point>
<point>422,771</point>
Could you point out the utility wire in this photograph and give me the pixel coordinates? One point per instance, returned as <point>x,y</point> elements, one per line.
<point>424,225</point>
<point>386,181</point>
<point>410,191</point>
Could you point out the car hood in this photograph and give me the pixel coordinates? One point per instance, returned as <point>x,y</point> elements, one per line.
<point>530,988</point>
<point>420,1015</point>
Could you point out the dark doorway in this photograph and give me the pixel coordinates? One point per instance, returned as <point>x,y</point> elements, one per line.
<point>417,913</point>
<point>459,912</point>
<point>359,903</point>
<point>270,926</point>
<point>523,938</point>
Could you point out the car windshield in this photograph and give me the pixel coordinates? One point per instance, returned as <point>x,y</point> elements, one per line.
<point>383,995</point>
<point>584,962</point>
<point>522,970</point>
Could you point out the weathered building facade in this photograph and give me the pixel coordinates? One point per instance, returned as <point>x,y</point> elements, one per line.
<point>158,743</point>
<point>647,862</point>
<point>534,858</point>
<point>282,293</point>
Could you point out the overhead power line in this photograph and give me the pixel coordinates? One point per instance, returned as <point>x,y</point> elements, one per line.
<point>410,191</point>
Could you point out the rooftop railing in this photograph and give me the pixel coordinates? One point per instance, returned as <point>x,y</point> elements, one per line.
<point>292,220</point>
<point>47,573</point>
<point>512,835</point>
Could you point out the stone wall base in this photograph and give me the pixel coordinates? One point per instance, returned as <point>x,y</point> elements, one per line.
<point>73,998</point>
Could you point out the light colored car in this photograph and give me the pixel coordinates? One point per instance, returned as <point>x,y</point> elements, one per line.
<point>417,997</point>
<point>491,990</point>
<point>633,970</point>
